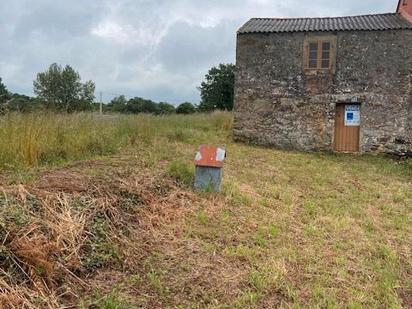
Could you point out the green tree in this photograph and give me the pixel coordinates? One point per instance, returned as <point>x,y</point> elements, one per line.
<point>4,93</point>
<point>166,108</point>
<point>22,103</point>
<point>140,105</point>
<point>61,89</point>
<point>4,98</point>
<point>217,91</point>
<point>186,108</point>
<point>118,104</point>
<point>87,92</point>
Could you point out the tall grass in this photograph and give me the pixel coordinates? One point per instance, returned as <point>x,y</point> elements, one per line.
<point>45,138</point>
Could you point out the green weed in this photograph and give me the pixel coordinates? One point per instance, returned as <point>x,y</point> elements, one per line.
<point>111,301</point>
<point>100,251</point>
<point>181,172</point>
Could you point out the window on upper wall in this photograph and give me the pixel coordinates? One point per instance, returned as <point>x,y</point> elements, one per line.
<point>320,53</point>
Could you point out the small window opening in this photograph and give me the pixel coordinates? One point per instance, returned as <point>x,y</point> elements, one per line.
<point>319,53</point>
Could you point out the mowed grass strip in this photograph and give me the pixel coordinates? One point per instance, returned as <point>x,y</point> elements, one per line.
<point>288,230</point>
<point>296,229</point>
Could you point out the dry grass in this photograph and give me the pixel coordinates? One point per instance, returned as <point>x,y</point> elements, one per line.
<point>289,229</point>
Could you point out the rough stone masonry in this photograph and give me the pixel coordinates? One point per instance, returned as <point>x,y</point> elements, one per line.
<point>280,103</point>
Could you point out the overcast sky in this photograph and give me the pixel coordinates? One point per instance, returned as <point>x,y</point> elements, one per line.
<point>157,49</point>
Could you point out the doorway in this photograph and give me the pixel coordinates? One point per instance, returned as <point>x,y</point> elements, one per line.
<point>347,128</point>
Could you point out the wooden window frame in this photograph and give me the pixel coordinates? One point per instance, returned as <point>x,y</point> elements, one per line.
<point>319,40</point>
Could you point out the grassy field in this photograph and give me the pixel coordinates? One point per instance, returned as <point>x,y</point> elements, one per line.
<point>99,213</point>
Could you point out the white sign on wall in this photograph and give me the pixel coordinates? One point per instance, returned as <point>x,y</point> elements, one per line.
<point>352,115</point>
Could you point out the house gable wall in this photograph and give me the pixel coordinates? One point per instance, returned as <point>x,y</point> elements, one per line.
<point>276,103</point>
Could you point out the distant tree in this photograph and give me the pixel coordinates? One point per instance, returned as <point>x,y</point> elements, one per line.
<point>166,108</point>
<point>4,98</point>
<point>140,105</point>
<point>4,93</point>
<point>62,89</point>
<point>87,92</point>
<point>217,91</point>
<point>186,108</point>
<point>150,107</point>
<point>118,104</point>
<point>134,106</point>
<point>22,103</point>
<point>95,107</point>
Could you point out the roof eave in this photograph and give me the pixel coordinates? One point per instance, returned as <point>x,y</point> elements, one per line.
<point>306,31</point>
<point>371,22</point>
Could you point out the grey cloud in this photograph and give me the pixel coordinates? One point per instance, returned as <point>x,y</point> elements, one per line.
<point>58,20</point>
<point>190,46</point>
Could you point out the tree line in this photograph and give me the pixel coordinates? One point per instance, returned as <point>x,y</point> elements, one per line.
<point>61,89</point>
<point>139,105</point>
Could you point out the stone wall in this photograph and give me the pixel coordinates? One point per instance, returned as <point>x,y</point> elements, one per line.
<point>277,104</point>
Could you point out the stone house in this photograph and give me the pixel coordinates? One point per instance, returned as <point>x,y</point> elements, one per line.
<point>326,84</point>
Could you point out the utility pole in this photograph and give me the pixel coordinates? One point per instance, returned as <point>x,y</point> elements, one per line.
<point>101,104</point>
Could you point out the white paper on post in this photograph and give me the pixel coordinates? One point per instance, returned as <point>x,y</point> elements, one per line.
<point>352,115</point>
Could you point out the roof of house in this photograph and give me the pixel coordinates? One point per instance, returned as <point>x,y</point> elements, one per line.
<point>389,21</point>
